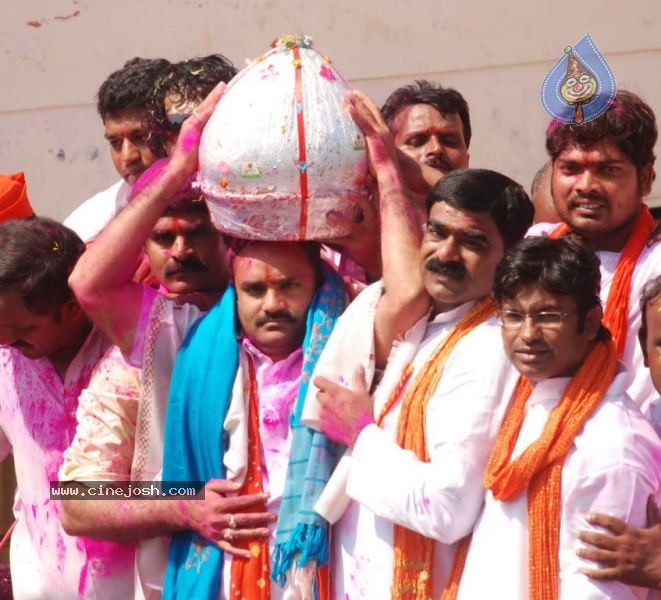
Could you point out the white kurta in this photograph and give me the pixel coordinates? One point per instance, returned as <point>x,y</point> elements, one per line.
<point>638,381</point>
<point>92,216</point>
<point>161,330</point>
<point>440,499</point>
<point>37,424</point>
<point>612,468</point>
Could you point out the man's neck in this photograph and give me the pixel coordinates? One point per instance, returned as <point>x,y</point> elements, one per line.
<point>614,240</point>
<point>62,359</point>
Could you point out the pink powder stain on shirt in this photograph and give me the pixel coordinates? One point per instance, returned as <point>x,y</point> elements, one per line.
<point>104,558</point>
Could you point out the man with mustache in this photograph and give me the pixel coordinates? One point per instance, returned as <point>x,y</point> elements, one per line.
<point>602,170</point>
<point>431,129</point>
<point>230,405</point>
<point>187,255</point>
<point>48,351</point>
<point>420,434</point>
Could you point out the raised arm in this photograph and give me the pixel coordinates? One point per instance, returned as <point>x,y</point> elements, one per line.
<point>102,279</point>
<point>405,300</point>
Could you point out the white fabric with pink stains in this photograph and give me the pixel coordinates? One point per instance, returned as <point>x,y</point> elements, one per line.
<point>38,422</point>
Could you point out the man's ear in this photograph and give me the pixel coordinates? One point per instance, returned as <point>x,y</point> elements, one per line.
<point>646,176</point>
<point>71,311</point>
<point>593,321</point>
<point>642,340</point>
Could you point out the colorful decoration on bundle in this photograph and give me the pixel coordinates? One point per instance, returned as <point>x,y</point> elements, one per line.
<point>280,150</point>
<point>580,86</point>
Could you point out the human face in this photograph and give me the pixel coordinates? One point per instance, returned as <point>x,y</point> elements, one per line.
<point>460,251</point>
<point>275,283</point>
<point>651,341</point>
<point>430,138</point>
<point>35,335</point>
<point>186,253</point>
<point>128,139</point>
<point>540,352</point>
<point>598,192</point>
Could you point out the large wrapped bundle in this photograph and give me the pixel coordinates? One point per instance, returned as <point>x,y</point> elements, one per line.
<point>280,151</point>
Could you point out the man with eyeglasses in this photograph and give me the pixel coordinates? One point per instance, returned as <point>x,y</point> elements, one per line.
<point>420,440</point>
<point>572,441</point>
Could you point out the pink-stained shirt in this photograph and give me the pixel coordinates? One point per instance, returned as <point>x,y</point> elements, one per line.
<point>37,424</point>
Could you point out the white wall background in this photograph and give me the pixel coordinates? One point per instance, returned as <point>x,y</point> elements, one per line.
<point>54,54</point>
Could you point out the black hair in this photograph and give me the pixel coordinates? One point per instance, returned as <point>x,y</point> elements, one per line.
<point>37,256</point>
<point>629,122</point>
<point>482,190</point>
<point>564,266</point>
<point>445,100</point>
<point>132,86</point>
<point>311,249</point>
<point>182,82</point>
<point>651,291</point>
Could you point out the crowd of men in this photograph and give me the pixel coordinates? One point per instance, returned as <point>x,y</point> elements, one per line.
<point>467,406</point>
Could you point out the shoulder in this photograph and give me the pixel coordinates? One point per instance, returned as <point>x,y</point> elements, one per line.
<point>541,229</point>
<point>618,435</point>
<point>88,219</point>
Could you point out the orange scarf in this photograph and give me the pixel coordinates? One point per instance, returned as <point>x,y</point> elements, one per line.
<point>539,467</point>
<point>616,312</point>
<point>414,553</point>
<point>250,577</point>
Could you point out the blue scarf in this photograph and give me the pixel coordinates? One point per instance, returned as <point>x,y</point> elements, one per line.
<point>208,360</point>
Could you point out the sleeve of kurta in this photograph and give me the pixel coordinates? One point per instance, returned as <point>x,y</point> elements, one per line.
<point>441,498</point>
<point>620,489</point>
<point>102,449</point>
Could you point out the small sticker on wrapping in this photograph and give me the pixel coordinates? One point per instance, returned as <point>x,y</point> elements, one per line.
<point>250,170</point>
<point>358,142</point>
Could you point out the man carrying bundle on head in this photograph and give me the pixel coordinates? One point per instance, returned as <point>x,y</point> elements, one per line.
<point>239,379</point>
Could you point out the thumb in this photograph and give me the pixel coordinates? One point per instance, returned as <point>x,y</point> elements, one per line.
<point>359,382</point>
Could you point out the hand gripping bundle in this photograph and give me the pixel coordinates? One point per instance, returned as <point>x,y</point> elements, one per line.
<point>280,151</point>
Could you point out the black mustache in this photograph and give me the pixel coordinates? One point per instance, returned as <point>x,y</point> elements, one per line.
<point>451,268</point>
<point>439,164</point>
<point>279,316</point>
<point>188,265</point>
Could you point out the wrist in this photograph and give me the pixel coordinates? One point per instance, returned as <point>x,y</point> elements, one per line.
<point>363,421</point>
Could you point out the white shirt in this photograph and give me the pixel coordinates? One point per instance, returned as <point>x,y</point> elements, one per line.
<point>612,468</point>
<point>440,499</point>
<point>92,216</point>
<point>638,382</point>
<point>37,423</point>
<point>162,327</point>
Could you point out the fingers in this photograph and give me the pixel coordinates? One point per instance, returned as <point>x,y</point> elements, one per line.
<point>602,574</point>
<point>365,112</point>
<point>242,503</point>
<point>249,521</point>
<point>204,110</point>
<point>233,550</point>
<point>600,540</point>
<point>359,383</point>
<point>222,486</point>
<point>613,524</point>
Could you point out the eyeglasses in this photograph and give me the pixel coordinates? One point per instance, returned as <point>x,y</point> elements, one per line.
<point>177,120</point>
<point>547,319</point>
